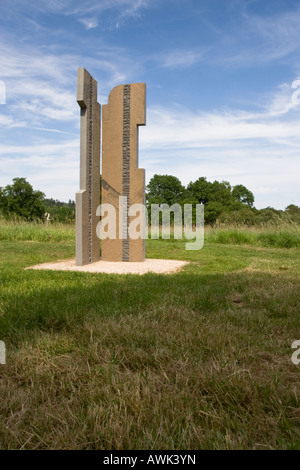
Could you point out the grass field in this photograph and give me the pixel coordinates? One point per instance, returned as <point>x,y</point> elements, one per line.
<point>200,359</point>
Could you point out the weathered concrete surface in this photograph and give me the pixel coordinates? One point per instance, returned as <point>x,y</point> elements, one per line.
<point>88,196</point>
<point>121,117</point>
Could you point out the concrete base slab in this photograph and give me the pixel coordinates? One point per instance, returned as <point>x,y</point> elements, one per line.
<point>159,266</point>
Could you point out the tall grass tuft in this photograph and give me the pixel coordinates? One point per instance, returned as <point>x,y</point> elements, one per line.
<point>18,230</point>
<point>283,236</point>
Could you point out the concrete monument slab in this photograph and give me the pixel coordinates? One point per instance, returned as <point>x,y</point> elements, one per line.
<point>88,196</point>
<point>123,183</point>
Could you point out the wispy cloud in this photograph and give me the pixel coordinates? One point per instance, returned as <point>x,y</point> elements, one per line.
<point>42,87</point>
<point>181,128</point>
<point>255,149</point>
<point>46,166</point>
<point>125,8</point>
<point>284,99</point>
<point>179,58</point>
<point>85,12</point>
<point>24,62</point>
<point>89,23</point>
<point>257,40</point>
<point>279,33</point>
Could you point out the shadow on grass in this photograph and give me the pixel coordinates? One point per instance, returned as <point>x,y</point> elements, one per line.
<point>54,301</point>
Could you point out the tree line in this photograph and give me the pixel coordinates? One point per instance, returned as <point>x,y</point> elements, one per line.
<point>20,200</point>
<point>223,203</point>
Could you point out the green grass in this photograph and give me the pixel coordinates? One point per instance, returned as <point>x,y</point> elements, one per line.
<point>200,359</point>
<point>37,232</point>
<point>283,236</point>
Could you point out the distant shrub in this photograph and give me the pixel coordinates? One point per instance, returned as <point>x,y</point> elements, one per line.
<point>244,216</point>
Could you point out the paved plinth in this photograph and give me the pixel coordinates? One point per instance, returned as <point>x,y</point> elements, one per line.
<point>159,266</point>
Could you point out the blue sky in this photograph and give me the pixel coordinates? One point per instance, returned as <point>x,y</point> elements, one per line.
<point>222,90</point>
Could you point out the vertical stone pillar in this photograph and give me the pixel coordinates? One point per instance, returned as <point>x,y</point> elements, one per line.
<point>88,196</point>
<point>122,180</point>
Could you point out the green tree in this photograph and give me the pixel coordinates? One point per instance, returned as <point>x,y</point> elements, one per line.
<point>219,198</point>
<point>164,189</point>
<point>242,194</point>
<point>205,191</point>
<point>216,197</point>
<point>21,200</point>
<point>212,211</point>
<point>293,213</point>
<point>200,190</point>
<point>221,192</point>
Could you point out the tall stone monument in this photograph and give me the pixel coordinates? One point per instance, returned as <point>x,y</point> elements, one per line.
<point>88,196</point>
<point>123,183</point>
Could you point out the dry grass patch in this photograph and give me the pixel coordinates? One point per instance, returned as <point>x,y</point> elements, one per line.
<point>197,360</point>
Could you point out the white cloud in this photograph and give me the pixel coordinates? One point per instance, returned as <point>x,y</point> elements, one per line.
<point>86,11</point>
<point>51,168</point>
<point>260,150</point>
<point>264,190</point>
<point>126,8</point>
<point>181,128</point>
<point>73,7</point>
<point>282,100</point>
<point>280,32</point>
<point>89,23</point>
<point>179,58</point>
<point>24,62</point>
<point>6,120</point>
<point>41,149</point>
<point>257,40</point>
<point>273,169</point>
<point>187,145</point>
<point>42,87</point>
